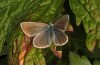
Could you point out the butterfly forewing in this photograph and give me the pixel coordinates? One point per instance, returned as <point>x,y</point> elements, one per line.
<point>59,37</point>
<point>32,28</point>
<point>62,22</point>
<point>42,39</point>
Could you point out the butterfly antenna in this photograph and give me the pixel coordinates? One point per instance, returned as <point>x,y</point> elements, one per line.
<point>57,18</point>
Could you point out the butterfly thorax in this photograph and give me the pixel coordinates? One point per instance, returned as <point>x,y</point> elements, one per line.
<point>51,30</point>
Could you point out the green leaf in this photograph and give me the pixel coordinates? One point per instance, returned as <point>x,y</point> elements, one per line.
<point>12,13</point>
<point>34,56</point>
<point>98,31</point>
<point>48,11</point>
<point>75,59</point>
<point>88,13</point>
<point>85,60</point>
<point>96,62</point>
<point>29,59</point>
<point>91,42</point>
<point>40,58</point>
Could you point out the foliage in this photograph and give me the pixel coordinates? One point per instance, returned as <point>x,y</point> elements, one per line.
<point>83,47</point>
<point>88,13</point>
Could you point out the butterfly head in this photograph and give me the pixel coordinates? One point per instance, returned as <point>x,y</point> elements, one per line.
<point>50,26</point>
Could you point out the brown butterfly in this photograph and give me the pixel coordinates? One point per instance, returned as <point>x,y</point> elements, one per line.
<point>46,34</point>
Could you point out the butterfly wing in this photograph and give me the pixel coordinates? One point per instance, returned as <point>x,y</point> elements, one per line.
<point>62,22</point>
<point>32,28</point>
<point>59,37</point>
<point>42,39</point>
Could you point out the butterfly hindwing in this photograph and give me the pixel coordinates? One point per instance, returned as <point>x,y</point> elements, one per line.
<point>42,39</point>
<point>59,37</point>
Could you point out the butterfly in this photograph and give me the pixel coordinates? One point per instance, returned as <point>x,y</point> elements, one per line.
<point>46,34</point>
